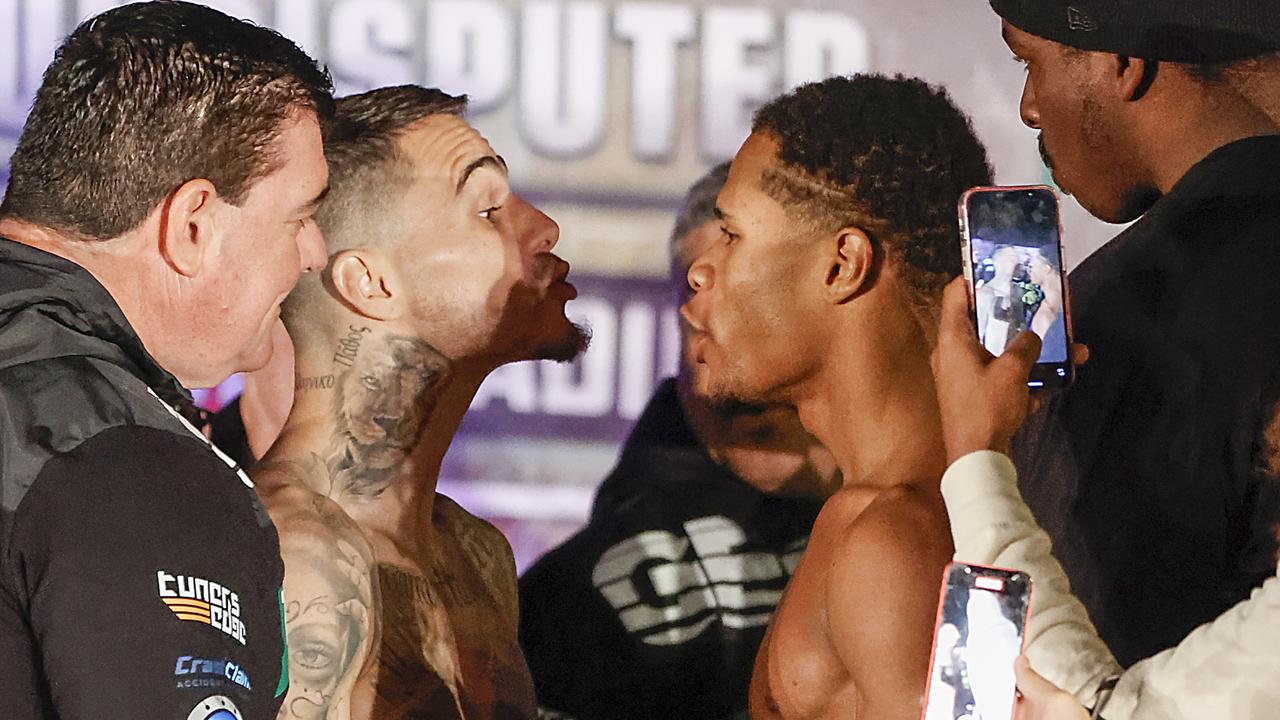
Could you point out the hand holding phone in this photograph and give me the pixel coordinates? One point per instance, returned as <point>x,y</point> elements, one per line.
<point>1012,250</point>
<point>982,617</point>
<point>983,400</point>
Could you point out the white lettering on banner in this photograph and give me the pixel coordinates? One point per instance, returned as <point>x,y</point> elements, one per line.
<point>639,338</point>
<point>733,78</point>
<point>591,393</point>
<point>563,76</point>
<point>471,50</point>
<point>668,589</point>
<point>744,55</point>
<point>299,21</point>
<point>616,375</point>
<point>376,37</point>
<point>819,44</point>
<point>656,31</point>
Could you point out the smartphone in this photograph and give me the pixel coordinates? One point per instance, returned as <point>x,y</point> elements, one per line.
<point>1011,240</point>
<point>982,617</point>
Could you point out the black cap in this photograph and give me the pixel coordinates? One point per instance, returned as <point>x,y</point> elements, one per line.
<point>1188,31</point>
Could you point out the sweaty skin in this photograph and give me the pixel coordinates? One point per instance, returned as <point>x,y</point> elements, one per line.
<point>400,604</point>
<point>773,321</point>
<point>373,631</point>
<point>846,641</point>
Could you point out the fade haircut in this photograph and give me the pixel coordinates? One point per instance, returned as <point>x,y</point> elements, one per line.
<point>889,155</point>
<point>368,174</point>
<point>145,97</point>
<point>367,167</point>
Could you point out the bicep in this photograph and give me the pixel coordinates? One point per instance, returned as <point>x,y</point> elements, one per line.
<point>882,599</point>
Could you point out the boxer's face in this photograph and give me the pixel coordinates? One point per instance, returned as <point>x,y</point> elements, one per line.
<point>754,322</point>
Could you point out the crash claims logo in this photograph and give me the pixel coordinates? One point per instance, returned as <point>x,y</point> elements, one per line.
<point>195,599</point>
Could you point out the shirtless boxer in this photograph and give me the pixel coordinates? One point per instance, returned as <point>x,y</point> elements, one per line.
<point>398,603</point>
<point>839,232</point>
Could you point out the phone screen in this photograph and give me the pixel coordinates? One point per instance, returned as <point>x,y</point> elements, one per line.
<point>981,619</point>
<point>1015,261</point>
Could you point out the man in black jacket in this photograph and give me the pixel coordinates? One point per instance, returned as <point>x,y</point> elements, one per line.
<point>1154,474</point>
<point>656,608</point>
<point>158,212</point>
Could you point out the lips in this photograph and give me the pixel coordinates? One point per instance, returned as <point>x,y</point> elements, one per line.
<point>686,314</point>
<point>559,283</point>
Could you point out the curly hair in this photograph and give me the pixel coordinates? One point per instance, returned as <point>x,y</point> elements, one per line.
<point>889,155</point>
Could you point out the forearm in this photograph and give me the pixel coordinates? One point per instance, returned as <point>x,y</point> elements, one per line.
<point>1227,668</point>
<point>991,525</point>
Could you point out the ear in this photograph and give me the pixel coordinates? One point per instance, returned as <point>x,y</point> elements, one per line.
<point>850,265</point>
<point>1129,78</point>
<point>188,227</point>
<point>361,280</point>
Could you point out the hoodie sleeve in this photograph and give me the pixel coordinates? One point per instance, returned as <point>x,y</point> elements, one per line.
<point>149,579</point>
<point>991,525</point>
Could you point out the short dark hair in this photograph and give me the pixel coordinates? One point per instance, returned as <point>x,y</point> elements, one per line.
<point>367,172</point>
<point>143,98</point>
<point>365,161</point>
<point>890,155</point>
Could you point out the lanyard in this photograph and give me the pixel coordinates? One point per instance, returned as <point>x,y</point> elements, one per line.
<point>244,477</point>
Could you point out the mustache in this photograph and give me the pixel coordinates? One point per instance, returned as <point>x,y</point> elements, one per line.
<point>547,269</point>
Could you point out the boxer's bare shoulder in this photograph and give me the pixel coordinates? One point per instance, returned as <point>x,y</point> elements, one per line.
<point>851,636</point>
<point>331,595</point>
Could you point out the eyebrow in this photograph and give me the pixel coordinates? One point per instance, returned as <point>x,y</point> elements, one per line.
<point>314,204</point>
<point>720,214</point>
<point>494,161</point>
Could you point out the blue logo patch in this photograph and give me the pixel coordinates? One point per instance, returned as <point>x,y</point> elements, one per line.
<point>194,672</point>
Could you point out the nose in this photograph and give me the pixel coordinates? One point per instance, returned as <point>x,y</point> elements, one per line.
<point>539,230</point>
<point>700,274</point>
<point>1027,107</point>
<point>311,248</point>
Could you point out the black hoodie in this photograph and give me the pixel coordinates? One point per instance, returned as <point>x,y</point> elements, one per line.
<point>656,608</point>
<point>139,573</point>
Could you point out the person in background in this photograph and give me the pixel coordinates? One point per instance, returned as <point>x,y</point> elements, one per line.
<point>1001,312</point>
<point>717,497</point>
<point>1149,472</point>
<point>159,210</point>
<point>1226,668</point>
<point>1047,322</point>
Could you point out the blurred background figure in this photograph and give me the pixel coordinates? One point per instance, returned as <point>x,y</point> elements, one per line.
<point>1047,320</point>
<point>1001,313</point>
<point>993,645</point>
<point>657,607</point>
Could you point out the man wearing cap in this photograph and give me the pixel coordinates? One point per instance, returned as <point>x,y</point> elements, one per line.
<point>1155,473</point>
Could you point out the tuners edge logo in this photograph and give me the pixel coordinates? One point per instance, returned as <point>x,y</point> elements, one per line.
<point>194,599</point>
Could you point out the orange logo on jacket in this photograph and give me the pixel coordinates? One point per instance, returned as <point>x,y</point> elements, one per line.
<point>194,599</point>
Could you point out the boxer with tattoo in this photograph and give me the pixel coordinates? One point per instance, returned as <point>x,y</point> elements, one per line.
<point>398,603</point>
